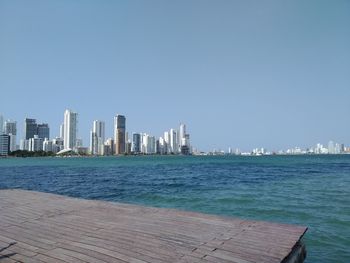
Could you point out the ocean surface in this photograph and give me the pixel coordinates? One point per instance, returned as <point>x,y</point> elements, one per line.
<point>313,191</point>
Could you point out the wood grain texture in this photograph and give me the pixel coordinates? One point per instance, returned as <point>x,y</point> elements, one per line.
<point>42,227</point>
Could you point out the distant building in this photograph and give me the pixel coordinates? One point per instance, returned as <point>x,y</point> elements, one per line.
<point>109,147</point>
<point>47,145</point>
<point>119,134</point>
<point>30,128</point>
<point>70,129</point>
<point>10,128</point>
<point>43,131</point>
<point>331,148</point>
<point>57,144</point>
<point>167,142</point>
<point>185,150</point>
<point>1,124</point>
<point>136,143</point>
<point>148,144</point>
<point>173,141</point>
<point>162,146</point>
<point>4,144</point>
<point>97,138</point>
<point>24,145</point>
<point>36,144</point>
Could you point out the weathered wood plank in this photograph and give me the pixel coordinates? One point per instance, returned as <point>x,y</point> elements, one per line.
<point>53,228</point>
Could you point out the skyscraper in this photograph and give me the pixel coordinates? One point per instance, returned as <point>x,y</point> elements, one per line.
<point>1,124</point>
<point>97,137</point>
<point>4,144</point>
<point>167,142</point>
<point>173,141</point>
<point>136,143</point>
<point>43,131</point>
<point>10,128</point>
<point>70,129</point>
<point>30,128</point>
<point>119,134</point>
<point>182,134</point>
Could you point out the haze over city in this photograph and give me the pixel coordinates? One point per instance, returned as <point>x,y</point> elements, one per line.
<point>239,74</point>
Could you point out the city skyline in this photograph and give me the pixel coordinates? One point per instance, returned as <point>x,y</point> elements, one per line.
<point>172,138</point>
<point>243,74</point>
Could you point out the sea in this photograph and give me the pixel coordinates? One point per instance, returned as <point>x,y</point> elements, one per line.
<point>307,190</point>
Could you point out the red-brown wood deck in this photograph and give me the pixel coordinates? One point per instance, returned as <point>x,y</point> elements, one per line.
<point>41,227</point>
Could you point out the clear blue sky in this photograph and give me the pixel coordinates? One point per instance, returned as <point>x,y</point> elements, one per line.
<point>243,73</point>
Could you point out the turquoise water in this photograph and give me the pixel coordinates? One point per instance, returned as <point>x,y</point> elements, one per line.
<point>307,190</point>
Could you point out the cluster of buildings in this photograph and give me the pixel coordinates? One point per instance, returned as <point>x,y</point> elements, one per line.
<point>173,141</point>
<point>331,148</point>
<point>37,138</point>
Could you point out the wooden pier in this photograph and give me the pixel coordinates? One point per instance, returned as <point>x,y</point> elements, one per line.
<point>41,227</point>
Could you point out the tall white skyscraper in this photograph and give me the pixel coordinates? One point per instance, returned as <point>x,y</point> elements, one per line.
<point>173,141</point>
<point>70,129</point>
<point>97,137</point>
<point>182,133</point>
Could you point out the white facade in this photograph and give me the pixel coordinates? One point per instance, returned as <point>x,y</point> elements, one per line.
<point>167,141</point>
<point>70,129</point>
<point>47,145</point>
<point>97,138</point>
<point>173,141</point>
<point>57,144</point>
<point>35,144</point>
<point>331,147</point>
<point>13,146</point>
<point>162,146</point>
<point>148,144</point>
<point>62,131</point>
<point>24,145</point>
<point>182,135</point>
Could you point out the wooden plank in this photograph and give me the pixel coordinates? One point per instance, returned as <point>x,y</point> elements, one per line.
<point>52,228</point>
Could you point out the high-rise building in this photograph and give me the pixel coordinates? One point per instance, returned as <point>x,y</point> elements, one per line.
<point>1,124</point>
<point>4,144</point>
<point>162,146</point>
<point>148,145</point>
<point>93,143</point>
<point>167,142</point>
<point>97,138</point>
<point>10,128</point>
<point>98,131</point>
<point>182,134</point>
<point>35,144</point>
<point>57,144</point>
<point>136,143</point>
<point>331,147</point>
<point>109,146</point>
<point>119,134</point>
<point>30,128</point>
<point>70,129</point>
<point>47,145</point>
<point>173,141</point>
<point>43,131</point>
